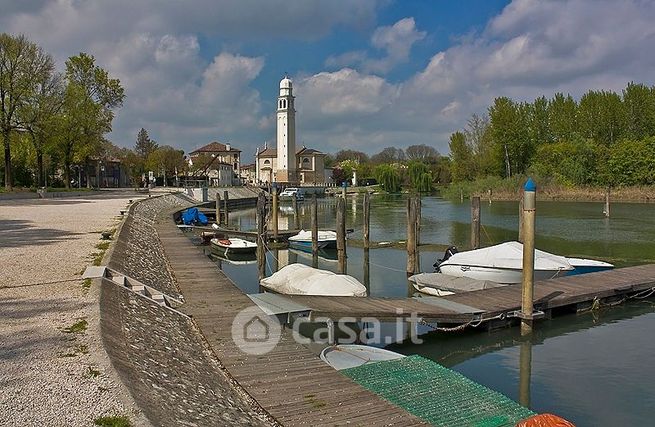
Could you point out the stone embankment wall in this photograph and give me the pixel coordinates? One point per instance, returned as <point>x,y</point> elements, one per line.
<point>159,354</point>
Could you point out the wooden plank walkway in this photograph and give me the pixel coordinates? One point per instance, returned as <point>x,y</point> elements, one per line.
<point>291,383</point>
<point>549,294</point>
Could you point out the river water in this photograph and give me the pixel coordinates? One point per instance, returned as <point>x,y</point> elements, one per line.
<point>592,368</point>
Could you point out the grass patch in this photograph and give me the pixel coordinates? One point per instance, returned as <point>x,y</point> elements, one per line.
<point>97,258</point>
<point>103,246</point>
<point>316,404</point>
<point>77,327</point>
<point>86,284</point>
<point>113,421</point>
<point>92,372</point>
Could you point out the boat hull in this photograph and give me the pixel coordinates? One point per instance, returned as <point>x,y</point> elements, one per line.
<point>305,245</point>
<point>499,275</point>
<point>232,249</point>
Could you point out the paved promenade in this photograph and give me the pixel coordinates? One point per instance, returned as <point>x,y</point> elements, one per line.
<point>50,377</point>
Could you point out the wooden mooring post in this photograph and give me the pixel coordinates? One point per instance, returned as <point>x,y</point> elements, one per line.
<point>412,218</point>
<point>606,211</point>
<point>314,219</point>
<point>226,197</point>
<point>525,372</point>
<point>274,214</point>
<point>261,236</point>
<point>529,207</point>
<point>296,215</point>
<point>341,234</point>
<point>520,239</point>
<point>475,222</point>
<point>367,220</point>
<point>218,208</point>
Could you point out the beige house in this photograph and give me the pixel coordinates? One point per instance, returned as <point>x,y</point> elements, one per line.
<point>222,163</point>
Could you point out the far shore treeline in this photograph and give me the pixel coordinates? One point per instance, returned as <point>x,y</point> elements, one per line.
<point>53,128</point>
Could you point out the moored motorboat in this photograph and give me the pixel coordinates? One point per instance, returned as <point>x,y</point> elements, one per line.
<point>299,279</point>
<point>303,240</point>
<point>233,245</point>
<point>346,356</point>
<point>502,263</point>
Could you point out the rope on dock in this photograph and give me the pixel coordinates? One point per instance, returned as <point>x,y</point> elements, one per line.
<point>597,304</point>
<point>463,325</point>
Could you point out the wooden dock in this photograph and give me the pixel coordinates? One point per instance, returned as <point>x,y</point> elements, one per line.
<point>291,383</point>
<point>296,388</point>
<point>565,294</point>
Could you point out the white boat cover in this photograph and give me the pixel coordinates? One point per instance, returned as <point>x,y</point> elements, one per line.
<point>299,279</point>
<point>348,356</point>
<point>508,255</point>
<point>452,283</point>
<point>306,236</point>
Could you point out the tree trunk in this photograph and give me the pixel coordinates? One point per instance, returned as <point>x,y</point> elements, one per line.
<point>39,168</point>
<point>67,172</point>
<point>8,174</point>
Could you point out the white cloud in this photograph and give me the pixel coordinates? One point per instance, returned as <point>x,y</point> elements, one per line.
<point>531,48</point>
<point>395,41</point>
<point>185,96</point>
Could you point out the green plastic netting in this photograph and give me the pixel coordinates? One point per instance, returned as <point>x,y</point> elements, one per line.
<point>437,394</point>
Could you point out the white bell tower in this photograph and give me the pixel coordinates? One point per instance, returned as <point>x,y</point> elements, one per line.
<point>286,133</point>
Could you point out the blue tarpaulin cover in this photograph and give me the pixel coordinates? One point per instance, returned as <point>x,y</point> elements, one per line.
<point>193,216</point>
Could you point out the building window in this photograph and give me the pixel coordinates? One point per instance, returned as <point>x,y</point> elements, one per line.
<point>267,162</point>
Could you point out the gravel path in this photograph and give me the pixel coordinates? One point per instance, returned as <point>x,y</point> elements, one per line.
<point>49,376</point>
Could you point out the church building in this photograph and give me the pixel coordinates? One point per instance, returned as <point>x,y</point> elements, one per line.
<point>285,164</point>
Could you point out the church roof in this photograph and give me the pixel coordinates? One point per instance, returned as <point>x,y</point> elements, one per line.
<point>268,152</point>
<point>308,152</point>
<point>215,147</point>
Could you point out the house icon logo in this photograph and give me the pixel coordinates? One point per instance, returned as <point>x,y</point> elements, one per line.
<point>254,332</point>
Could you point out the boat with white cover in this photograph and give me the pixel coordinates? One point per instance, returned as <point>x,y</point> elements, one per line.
<point>439,284</point>
<point>346,356</point>
<point>303,240</point>
<point>503,263</point>
<point>299,279</point>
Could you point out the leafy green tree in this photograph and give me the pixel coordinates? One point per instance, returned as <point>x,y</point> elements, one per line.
<point>513,146</point>
<point>166,161</point>
<point>87,114</point>
<point>639,101</point>
<point>22,65</point>
<point>562,112</point>
<point>420,177</point>
<point>144,145</point>
<point>40,114</point>
<point>601,116</point>
<point>539,123</point>
<point>388,177</point>
<point>478,139</point>
<point>462,157</point>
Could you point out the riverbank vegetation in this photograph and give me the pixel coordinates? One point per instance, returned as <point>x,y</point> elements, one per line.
<point>574,149</point>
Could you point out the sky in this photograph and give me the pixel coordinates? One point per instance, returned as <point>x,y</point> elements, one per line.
<point>367,74</point>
